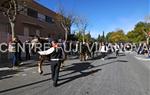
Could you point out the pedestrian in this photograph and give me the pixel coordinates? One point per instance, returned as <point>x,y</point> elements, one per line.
<point>57,57</point>
<point>83,51</point>
<point>19,49</point>
<point>27,45</point>
<point>116,49</point>
<point>13,48</point>
<point>103,50</point>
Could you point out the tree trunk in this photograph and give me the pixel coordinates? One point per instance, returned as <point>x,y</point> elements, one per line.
<point>83,36</point>
<point>147,40</point>
<point>12,24</point>
<point>66,35</point>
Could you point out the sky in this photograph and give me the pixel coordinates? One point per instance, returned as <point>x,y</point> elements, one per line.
<point>104,15</point>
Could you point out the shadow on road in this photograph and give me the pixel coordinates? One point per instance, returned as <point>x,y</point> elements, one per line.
<point>112,62</point>
<point>111,57</point>
<point>22,86</point>
<point>81,68</point>
<point>8,73</point>
<point>78,68</point>
<point>82,74</point>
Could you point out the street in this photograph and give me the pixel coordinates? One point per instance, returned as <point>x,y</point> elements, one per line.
<point>124,75</point>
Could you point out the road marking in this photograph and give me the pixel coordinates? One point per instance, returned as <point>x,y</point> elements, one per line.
<point>5,68</point>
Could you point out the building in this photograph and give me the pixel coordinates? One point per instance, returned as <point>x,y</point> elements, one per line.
<point>34,20</point>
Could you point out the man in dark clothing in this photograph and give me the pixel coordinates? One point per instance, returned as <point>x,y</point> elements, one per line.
<point>83,51</point>
<point>27,45</point>
<point>15,52</point>
<point>56,59</point>
<point>19,49</point>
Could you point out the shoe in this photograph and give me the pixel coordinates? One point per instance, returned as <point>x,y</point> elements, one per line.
<point>40,72</point>
<point>55,84</point>
<point>14,68</point>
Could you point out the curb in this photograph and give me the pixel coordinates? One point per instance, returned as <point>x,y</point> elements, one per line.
<point>143,59</point>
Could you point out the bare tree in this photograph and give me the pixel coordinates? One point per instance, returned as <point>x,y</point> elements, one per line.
<point>10,8</point>
<point>66,19</point>
<point>81,24</point>
<point>147,21</point>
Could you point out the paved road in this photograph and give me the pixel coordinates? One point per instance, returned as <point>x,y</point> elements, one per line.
<point>124,75</point>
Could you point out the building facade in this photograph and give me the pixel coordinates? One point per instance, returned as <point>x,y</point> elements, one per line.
<point>34,20</point>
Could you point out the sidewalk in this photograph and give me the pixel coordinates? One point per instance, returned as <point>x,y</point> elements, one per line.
<point>26,63</point>
<point>142,57</point>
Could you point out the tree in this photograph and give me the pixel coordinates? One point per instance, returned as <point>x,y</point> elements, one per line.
<point>88,37</point>
<point>11,8</point>
<point>140,32</point>
<point>103,37</point>
<point>147,30</point>
<point>117,36</point>
<point>100,38</point>
<point>79,36</point>
<point>81,24</point>
<point>66,19</point>
<point>108,36</point>
<point>131,37</point>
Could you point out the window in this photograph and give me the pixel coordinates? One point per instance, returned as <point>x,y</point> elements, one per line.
<point>49,19</point>
<point>22,10</point>
<point>32,13</point>
<point>41,17</point>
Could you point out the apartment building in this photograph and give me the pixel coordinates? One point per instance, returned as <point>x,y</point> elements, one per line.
<point>34,20</point>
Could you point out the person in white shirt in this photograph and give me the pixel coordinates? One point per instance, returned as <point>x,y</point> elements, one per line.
<point>103,50</point>
<point>116,49</point>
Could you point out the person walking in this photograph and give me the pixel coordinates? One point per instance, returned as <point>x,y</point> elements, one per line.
<point>19,49</point>
<point>13,48</point>
<point>27,45</point>
<point>116,49</point>
<point>57,57</point>
<point>83,51</point>
<point>103,50</point>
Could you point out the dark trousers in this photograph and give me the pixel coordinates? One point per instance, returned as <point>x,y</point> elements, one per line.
<point>103,54</point>
<point>27,56</point>
<point>19,56</point>
<point>117,52</point>
<point>55,67</point>
<point>15,59</point>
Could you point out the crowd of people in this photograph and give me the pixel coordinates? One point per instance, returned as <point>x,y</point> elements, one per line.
<point>83,50</point>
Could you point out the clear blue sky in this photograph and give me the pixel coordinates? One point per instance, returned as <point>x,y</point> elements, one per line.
<point>105,15</point>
